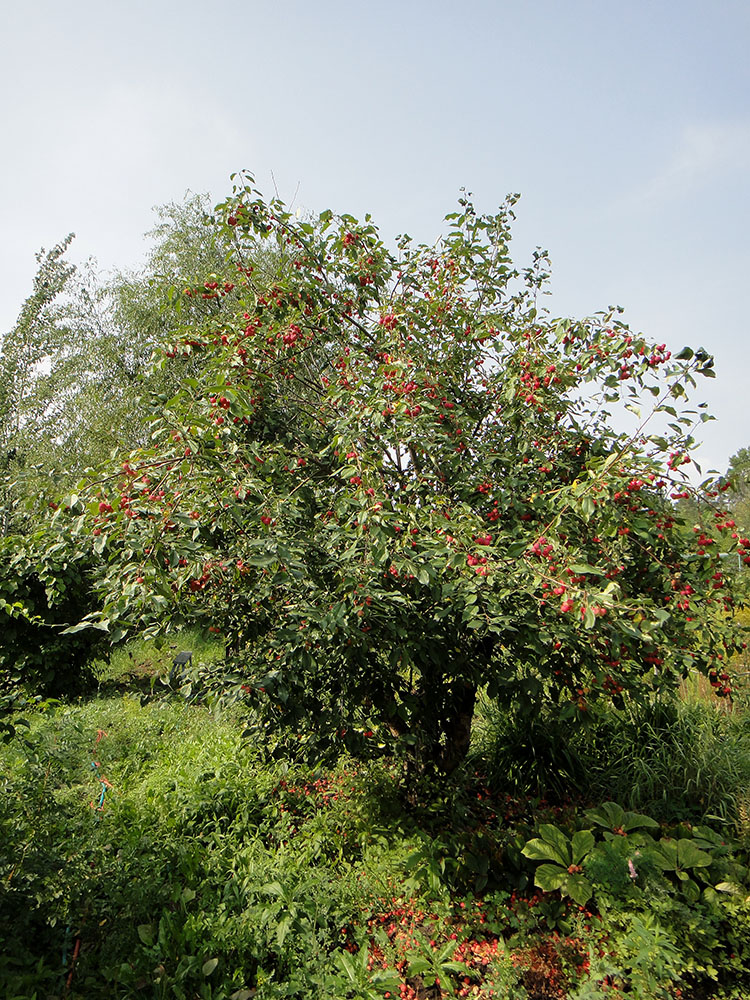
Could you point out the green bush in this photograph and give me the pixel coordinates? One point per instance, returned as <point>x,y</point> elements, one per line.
<point>670,901</point>
<point>46,585</point>
<point>163,842</point>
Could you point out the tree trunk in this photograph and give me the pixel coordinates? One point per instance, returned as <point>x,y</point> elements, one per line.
<point>457,726</point>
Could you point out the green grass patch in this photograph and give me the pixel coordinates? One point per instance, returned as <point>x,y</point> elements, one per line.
<point>143,661</point>
<point>149,850</point>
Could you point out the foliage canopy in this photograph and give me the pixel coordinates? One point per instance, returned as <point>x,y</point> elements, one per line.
<point>393,479</point>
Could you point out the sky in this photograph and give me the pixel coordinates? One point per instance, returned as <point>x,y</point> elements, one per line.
<point>624,127</point>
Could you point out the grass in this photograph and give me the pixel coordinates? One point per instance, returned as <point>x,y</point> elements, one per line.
<point>149,850</point>
<point>683,760</point>
<point>141,662</point>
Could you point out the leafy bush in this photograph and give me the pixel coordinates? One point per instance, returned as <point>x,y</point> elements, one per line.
<point>668,906</point>
<point>46,584</point>
<point>160,840</point>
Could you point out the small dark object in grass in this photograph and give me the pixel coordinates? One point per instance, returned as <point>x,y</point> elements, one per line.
<point>186,656</point>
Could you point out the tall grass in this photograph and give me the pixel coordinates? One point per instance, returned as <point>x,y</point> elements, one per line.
<point>676,760</point>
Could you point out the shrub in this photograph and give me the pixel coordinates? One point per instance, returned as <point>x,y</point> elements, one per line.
<point>46,586</point>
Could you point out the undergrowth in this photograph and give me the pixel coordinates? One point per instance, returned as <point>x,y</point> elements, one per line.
<point>149,850</point>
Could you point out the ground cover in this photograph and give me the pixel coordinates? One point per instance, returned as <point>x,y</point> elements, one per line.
<point>148,849</point>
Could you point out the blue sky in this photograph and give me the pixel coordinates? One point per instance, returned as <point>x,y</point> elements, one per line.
<point>625,127</point>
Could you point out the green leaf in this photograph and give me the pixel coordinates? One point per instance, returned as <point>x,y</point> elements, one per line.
<point>586,568</point>
<point>146,934</point>
<point>261,561</point>
<point>690,856</point>
<point>209,966</point>
<point>550,877</point>
<point>609,815</point>
<point>635,821</point>
<point>578,888</point>
<point>704,836</point>
<point>349,967</point>
<point>418,965</point>
<point>732,888</point>
<point>447,951</point>
<point>552,846</point>
<point>384,979</point>
<point>80,627</point>
<point>283,928</point>
<point>691,891</point>
<point>665,856</point>
<point>581,844</point>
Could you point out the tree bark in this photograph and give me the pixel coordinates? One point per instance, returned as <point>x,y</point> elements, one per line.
<point>457,727</point>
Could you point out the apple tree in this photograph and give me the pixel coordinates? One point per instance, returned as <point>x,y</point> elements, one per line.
<point>396,481</point>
